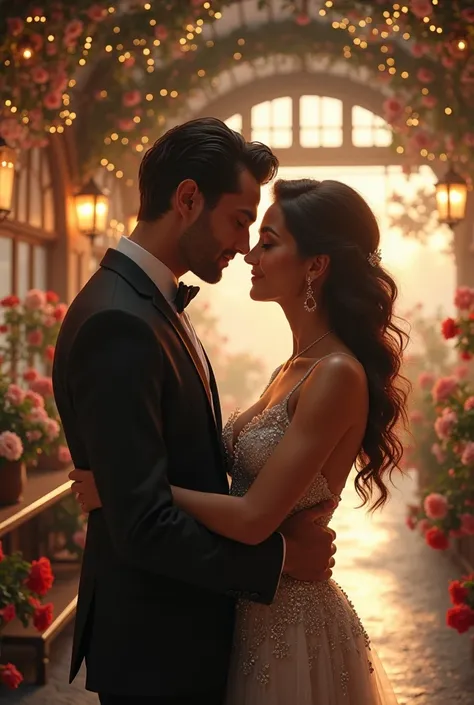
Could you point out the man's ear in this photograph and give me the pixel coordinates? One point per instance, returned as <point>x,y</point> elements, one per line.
<point>189,201</point>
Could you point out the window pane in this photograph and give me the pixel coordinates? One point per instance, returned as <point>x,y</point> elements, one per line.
<point>262,135</point>
<point>39,268</point>
<point>235,123</point>
<point>369,130</point>
<point>5,266</point>
<point>282,112</point>
<point>281,138</point>
<point>23,268</point>
<point>261,116</point>
<point>320,121</point>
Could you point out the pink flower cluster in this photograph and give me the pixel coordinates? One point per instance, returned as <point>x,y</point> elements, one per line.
<point>11,447</point>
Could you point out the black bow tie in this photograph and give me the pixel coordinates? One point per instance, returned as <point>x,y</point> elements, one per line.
<point>184,296</point>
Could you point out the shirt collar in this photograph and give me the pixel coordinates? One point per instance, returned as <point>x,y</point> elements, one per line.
<point>159,273</point>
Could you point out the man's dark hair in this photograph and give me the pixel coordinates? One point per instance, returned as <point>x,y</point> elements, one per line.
<point>207,151</point>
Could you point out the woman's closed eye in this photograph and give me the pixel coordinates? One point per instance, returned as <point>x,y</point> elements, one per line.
<point>266,245</point>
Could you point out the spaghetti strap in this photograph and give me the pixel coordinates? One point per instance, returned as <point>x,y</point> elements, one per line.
<point>308,372</point>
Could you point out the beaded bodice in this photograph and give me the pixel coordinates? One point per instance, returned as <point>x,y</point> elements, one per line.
<point>255,443</point>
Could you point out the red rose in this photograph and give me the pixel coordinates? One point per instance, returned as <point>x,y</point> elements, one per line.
<point>41,577</point>
<point>35,338</point>
<point>10,676</point>
<point>52,297</point>
<point>449,328</point>
<point>3,329</point>
<point>465,355</point>
<point>10,301</point>
<point>30,375</point>
<point>457,592</point>
<point>49,353</point>
<point>59,312</point>
<point>43,616</point>
<point>7,614</point>
<point>435,538</point>
<point>460,617</point>
<point>2,555</point>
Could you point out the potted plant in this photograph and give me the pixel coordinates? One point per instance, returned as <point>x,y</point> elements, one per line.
<point>23,586</point>
<point>26,431</point>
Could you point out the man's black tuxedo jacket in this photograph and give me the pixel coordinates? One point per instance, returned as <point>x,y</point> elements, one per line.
<point>157,593</point>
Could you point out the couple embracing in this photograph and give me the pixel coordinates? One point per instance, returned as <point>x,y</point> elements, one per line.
<point>193,592</point>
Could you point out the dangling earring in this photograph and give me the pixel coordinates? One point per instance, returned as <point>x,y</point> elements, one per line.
<point>310,302</point>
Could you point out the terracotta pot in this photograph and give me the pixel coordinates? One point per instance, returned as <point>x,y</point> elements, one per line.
<point>12,482</point>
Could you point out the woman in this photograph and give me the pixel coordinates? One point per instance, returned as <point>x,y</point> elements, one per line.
<point>337,401</point>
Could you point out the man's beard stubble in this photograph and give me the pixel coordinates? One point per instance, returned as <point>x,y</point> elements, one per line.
<point>201,250</point>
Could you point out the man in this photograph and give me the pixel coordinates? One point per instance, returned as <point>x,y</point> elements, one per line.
<point>139,405</point>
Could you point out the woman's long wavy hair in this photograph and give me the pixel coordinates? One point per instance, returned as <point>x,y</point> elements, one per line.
<point>328,217</point>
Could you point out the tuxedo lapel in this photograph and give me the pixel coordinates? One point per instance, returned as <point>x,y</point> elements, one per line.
<point>123,265</point>
<point>161,304</point>
<point>215,394</point>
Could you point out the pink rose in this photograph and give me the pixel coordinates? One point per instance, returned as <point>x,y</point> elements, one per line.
<point>64,454</point>
<point>35,338</point>
<point>39,75</point>
<point>96,13</point>
<point>43,386</point>
<point>444,388</point>
<point>467,524</point>
<point>49,321</point>
<point>79,538</point>
<point>425,75</point>
<point>418,50</point>
<point>126,124</point>
<point>51,428</point>
<point>11,446</point>
<point>430,101</point>
<point>464,298</point>
<point>447,61</point>
<point>393,108</point>
<point>438,453</point>
<point>131,98</point>
<point>426,380</point>
<point>35,299</point>
<point>36,399</point>
<point>421,8</point>
<point>435,506</point>
<point>469,404</point>
<point>53,100</point>
<point>37,415</point>
<point>445,424</point>
<point>467,457</point>
<point>15,395</point>
<point>411,522</point>
<point>33,436</point>
<point>74,29</point>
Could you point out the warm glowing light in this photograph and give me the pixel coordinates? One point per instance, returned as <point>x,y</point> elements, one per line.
<point>7,177</point>
<point>451,196</point>
<point>92,206</point>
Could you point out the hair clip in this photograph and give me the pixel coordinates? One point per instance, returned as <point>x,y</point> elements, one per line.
<point>374,258</point>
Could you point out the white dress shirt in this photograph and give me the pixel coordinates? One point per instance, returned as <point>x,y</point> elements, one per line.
<point>166,282</point>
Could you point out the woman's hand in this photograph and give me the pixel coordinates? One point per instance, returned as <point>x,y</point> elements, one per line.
<point>85,489</point>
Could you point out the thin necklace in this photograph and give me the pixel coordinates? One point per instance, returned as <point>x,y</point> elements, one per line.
<point>294,357</point>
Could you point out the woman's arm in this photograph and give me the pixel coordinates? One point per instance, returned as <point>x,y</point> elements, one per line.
<point>328,406</point>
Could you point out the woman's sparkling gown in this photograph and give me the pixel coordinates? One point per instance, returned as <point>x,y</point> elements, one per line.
<point>309,647</point>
